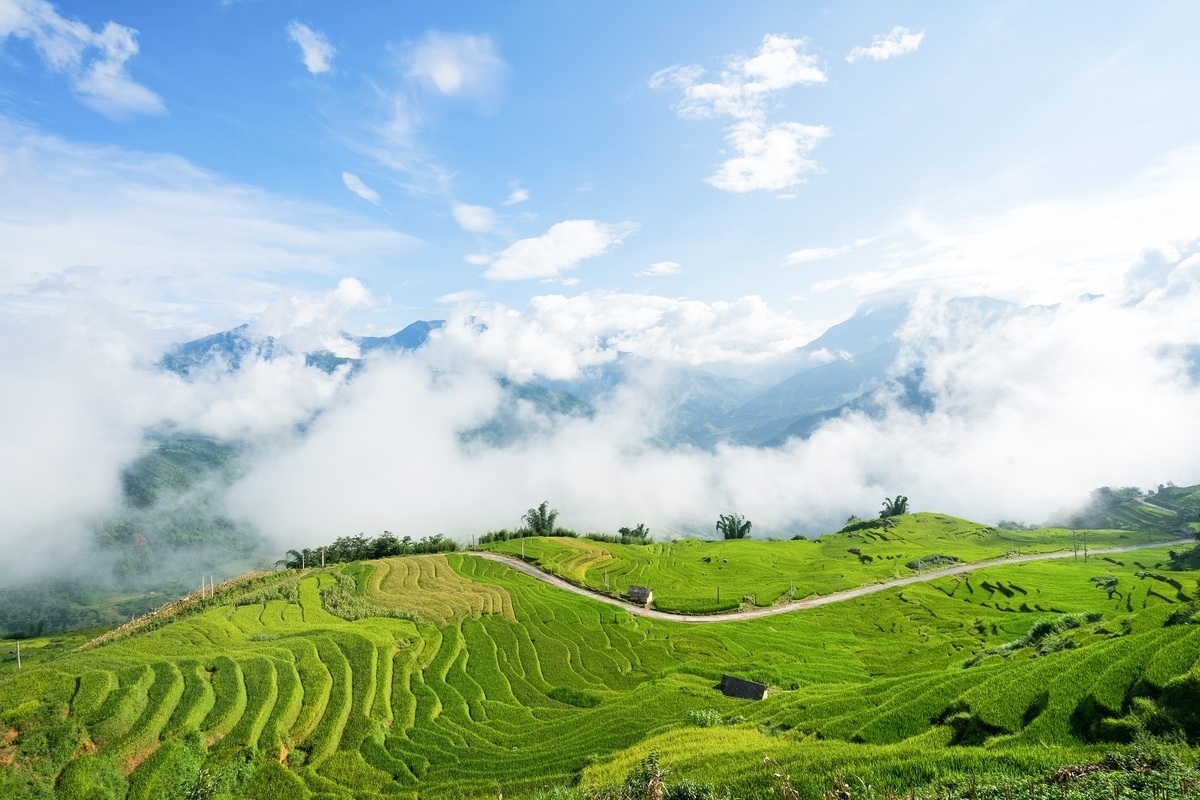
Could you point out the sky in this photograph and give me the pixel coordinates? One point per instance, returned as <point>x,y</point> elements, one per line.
<point>707,185</point>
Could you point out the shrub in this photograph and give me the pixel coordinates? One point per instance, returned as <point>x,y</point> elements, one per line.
<point>704,717</point>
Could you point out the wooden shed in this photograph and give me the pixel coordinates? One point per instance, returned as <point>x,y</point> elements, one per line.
<point>745,690</point>
<point>642,595</point>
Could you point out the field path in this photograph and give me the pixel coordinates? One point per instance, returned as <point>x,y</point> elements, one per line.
<point>799,605</point>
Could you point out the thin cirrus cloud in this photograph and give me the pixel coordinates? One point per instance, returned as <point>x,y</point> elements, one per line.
<point>561,248</point>
<point>660,268</point>
<point>356,185</point>
<point>316,51</point>
<point>95,62</point>
<point>899,42</point>
<point>768,156</point>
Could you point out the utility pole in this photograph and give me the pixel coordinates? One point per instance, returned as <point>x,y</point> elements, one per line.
<point>18,653</point>
<point>322,558</point>
<point>1085,547</point>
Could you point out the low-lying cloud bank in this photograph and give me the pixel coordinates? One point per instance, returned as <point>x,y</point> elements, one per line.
<point>1031,408</point>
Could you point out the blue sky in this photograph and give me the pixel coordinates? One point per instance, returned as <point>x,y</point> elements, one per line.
<point>470,128</point>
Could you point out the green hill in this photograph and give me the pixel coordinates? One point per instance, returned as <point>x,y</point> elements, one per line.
<point>688,574</point>
<point>454,676</point>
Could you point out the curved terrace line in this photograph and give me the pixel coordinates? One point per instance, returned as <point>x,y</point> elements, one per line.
<point>798,605</point>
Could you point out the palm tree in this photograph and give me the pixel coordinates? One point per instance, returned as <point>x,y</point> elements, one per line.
<point>894,507</point>
<point>733,526</point>
<point>293,559</point>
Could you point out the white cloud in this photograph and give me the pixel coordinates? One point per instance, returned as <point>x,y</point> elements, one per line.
<point>556,336</point>
<point>355,184</point>
<point>558,249</point>
<point>458,65</point>
<point>768,158</point>
<point>476,219</point>
<point>811,254</point>
<point>316,51</point>
<point>158,234</point>
<point>745,84</point>
<point>1049,251</point>
<point>660,268</point>
<point>94,62</point>
<point>900,42</point>
<point>455,298</point>
<point>518,195</point>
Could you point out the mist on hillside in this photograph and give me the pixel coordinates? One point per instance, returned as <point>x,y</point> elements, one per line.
<point>1024,410</point>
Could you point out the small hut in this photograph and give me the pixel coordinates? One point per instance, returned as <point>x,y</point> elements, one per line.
<point>642,595</point>
<point>745,690</point>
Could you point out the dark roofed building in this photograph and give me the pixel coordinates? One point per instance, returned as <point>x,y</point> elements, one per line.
<point>746,690</point>
<point>642,595</point>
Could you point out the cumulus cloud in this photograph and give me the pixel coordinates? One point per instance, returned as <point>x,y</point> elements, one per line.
<point>95,62</point>
<point>561,248</point>
<point>899,42</point>
<point>558,337</point>
<point>315,50</point>
<point>355,184</point>
<point>743,88</point>
<point>660,268</point>
<point>458,65</point>
<point>769,157</point>
<point>476,219</point>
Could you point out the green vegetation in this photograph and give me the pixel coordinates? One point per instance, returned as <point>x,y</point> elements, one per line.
<point>453,676</point>
<point>695,576</point>
<point>733,526</point>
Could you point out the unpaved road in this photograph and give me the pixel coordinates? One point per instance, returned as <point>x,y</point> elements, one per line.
<point>799,605</point>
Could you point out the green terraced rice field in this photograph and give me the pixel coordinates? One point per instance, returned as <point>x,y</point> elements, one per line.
<point>505,683</point>
<point>696,576</point>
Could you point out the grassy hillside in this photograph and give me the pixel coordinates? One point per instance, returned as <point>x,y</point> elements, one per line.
<point>686,574</point>
<point>500,682</point>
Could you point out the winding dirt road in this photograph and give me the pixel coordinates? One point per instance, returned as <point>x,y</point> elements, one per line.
<point>799,605</point>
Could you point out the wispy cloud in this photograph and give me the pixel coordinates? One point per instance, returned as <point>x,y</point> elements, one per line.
<point>476,219</point>
<point>517,195</point>
<point>811,254</point>
<point>770,157</point>
<point>316,51</point>
<point>561,248</point>
<point>95,63</point>
<point>459,65</point>
<point>355,184</point>
<point>899,42</point>
<point>660,268</point>
<point>159,234</point>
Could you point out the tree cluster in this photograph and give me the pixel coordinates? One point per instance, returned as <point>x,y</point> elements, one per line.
<point>363,548</point>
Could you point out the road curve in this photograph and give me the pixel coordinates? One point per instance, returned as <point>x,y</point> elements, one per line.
<point>799,605</point>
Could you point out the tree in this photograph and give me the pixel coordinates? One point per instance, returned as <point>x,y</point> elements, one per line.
<point>541,519</point>
<point>733,526</point>
<point>894,507</point>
